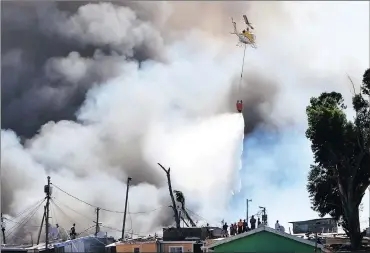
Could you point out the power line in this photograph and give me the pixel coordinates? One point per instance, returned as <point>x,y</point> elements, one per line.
<point>24,220</point>
<point>84,231</point>
<point>119,230</point>
<point>104,209</point>
<point>73,210</point>
<point>149,211</point>
<point>60,209</point>
<point>28,208</point>
<point>17,222</point>
<point>194,213</point>
<point>55,214</point>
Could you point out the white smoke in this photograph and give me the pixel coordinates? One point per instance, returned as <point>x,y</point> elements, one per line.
<point>162,112</point>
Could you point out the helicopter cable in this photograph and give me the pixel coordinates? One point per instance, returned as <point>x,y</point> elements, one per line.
<point>241,74</point>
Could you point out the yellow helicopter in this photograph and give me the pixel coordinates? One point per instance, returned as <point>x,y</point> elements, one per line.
<point>246,37</point>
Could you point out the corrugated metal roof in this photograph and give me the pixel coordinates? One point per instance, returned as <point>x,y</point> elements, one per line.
<point>267,229</point>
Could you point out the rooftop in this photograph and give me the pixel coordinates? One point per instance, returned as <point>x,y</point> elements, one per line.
<point>260,229</point>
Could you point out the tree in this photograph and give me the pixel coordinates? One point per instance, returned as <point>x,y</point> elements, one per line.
<point>176,214</point>
<point>340,175</point>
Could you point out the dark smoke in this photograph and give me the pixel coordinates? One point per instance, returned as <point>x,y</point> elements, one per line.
<point>35,85</point>
<point>258,94</point>
<point>37,36</point>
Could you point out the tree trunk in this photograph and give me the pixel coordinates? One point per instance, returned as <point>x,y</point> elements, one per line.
<point>176,213</point>
<point>177,218</point>
<point>351,212</point>
<point>354,231</point>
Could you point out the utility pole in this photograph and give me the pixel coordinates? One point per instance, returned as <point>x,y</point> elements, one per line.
<point>3,228</point>
<point>247,214</point>
<point>47,190</point>
<point>97,221</point>
<point>264,216</point>
<point>124,215</point>
<point>42,223</point>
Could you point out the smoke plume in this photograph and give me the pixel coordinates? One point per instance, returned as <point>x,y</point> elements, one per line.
<point>95,92</point>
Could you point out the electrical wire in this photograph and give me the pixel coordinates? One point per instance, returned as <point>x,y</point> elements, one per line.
<point>73,210</point>
<point>103,209</point>
<point>17,222</point>
<point>145,212</point>
<point>61,210</point>
<point>28,208</point>
<point>24,221</point>
<point>55,214</point>
<point>119,230</point>
<point>84,231</point>
<point>204,219</point>
<point>52,215</point>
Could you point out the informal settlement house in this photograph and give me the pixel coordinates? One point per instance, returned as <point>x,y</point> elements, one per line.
<point>90,243</point>
<point>157,246</point>
<point>264,240</point>
<point>174,240</point>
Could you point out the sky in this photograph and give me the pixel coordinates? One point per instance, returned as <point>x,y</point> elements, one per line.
<point>275,166</point>
<point>93,93</point>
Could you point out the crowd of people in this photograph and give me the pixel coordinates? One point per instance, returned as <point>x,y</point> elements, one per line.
<point>243,226</point>
<point>240,227</point>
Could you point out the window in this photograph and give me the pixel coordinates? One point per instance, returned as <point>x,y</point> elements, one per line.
<point>136,250</point>
<point>176,249</point>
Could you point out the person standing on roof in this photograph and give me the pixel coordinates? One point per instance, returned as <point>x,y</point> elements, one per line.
<point>277,225</point>
<point>258,222</point>
<point>224,228</point>
<point>245,225</point>
<point>240,226</point>
<point>73,233</point>
<point>231,229</point>
<point>253,222</point>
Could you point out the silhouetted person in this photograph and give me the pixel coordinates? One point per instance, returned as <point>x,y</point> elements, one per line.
<point>209,235</point>
<point>231,229</point>
<point>253,222</point>
<point>277,225</point>
<point>245,225</point>
<point>73,232</point>
<point>258,222</point>
<point>225,233</point>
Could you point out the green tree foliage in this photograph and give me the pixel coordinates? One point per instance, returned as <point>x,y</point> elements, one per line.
<point>341,173</point>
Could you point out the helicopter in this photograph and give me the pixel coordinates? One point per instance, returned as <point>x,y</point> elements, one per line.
<point>246,37</point>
